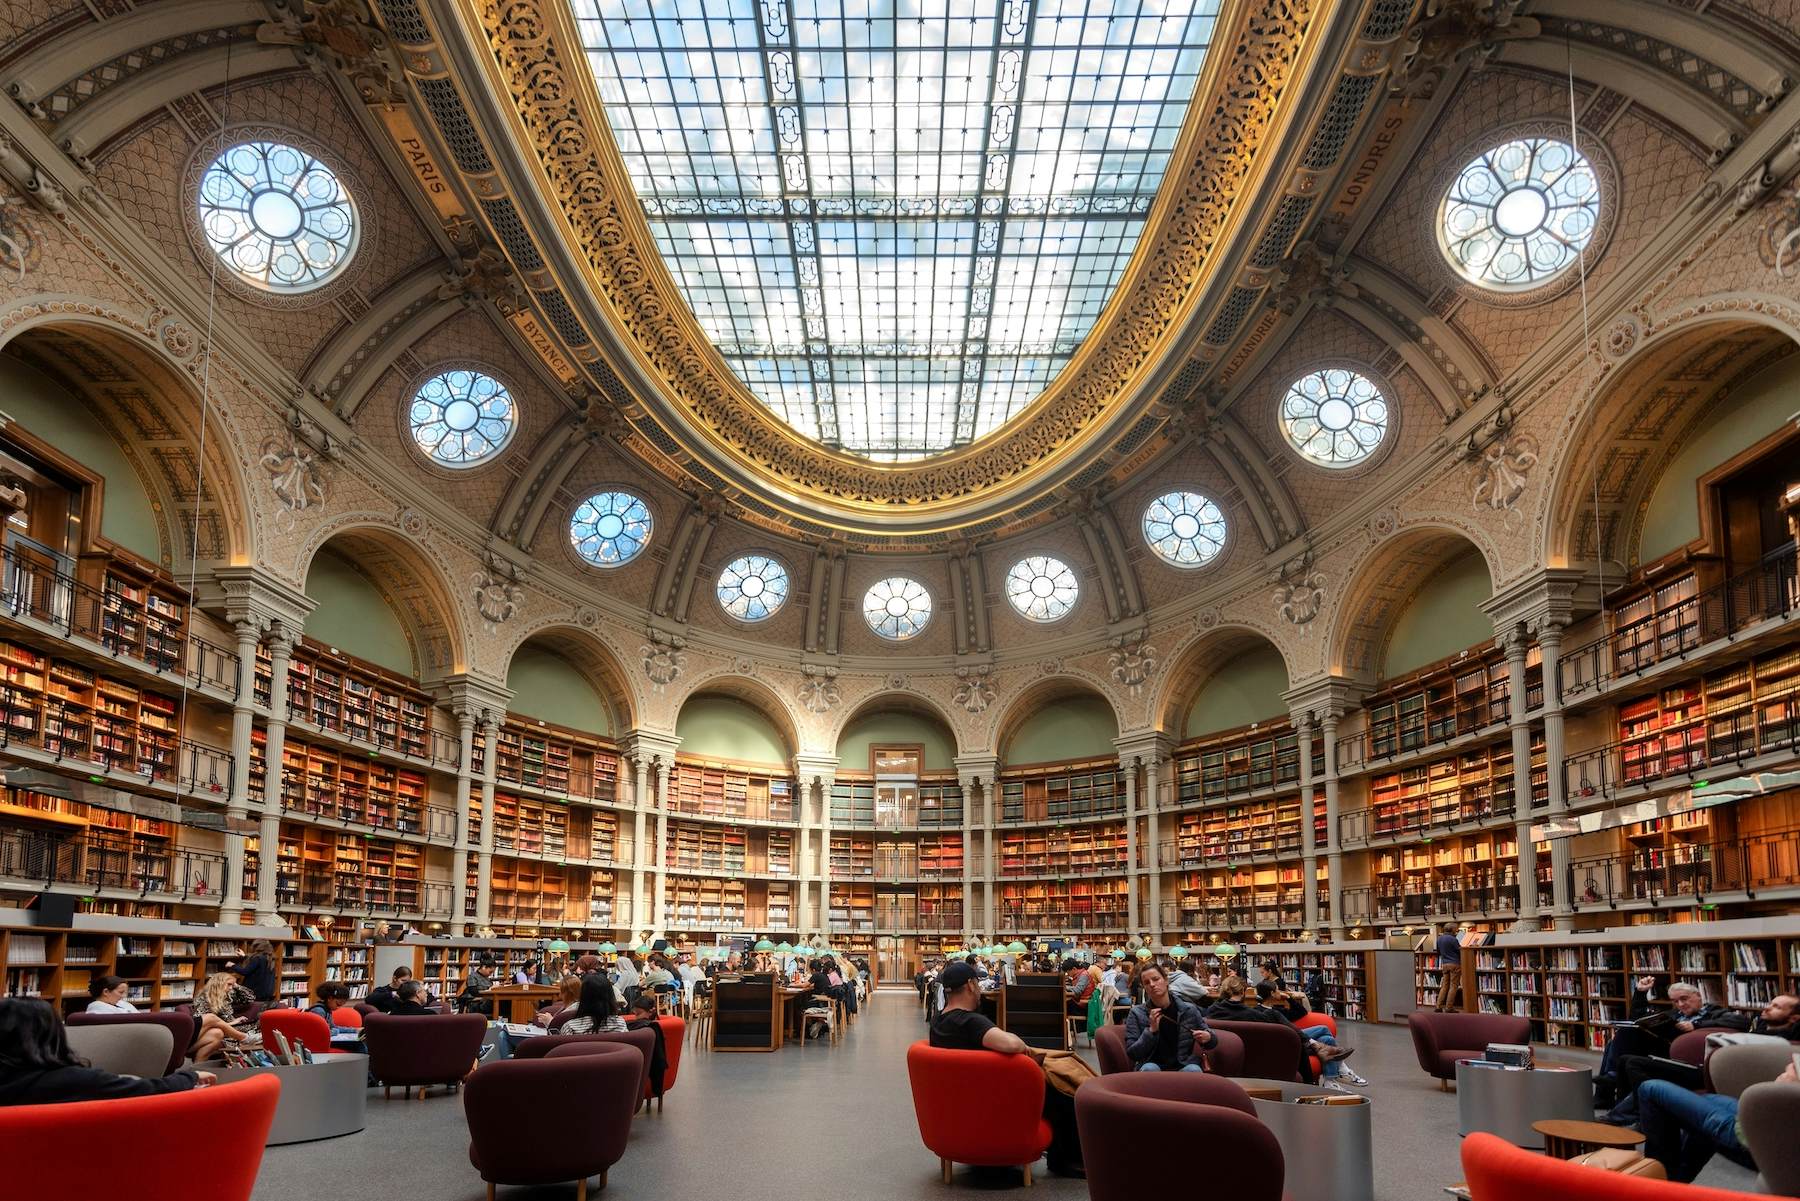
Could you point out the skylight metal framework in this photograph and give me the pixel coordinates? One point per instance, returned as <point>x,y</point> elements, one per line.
<point>896,222</point>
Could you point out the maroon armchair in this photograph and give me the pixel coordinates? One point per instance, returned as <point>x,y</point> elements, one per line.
<point>1109,1045</point>
<point>581,1133</point>
<point>1209,1118</point>
<point>1272,1050</point>
<point>423,1051</point>
<point>644,1041</point>
<point>978,1107</point>
<point>180,1025</point>
<point>1225,1057</point>
<point>1440,1039</point>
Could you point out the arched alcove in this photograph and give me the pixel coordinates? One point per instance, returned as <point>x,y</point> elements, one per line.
<point>1058,720</point>
<point>380,598</point>
<point>1442,616</point>
<point>564,675</point>
<point>1227,679</point>
<point>351,614</point>
<point>1425,584</point>
<point>719,724</point>
<point>896,720</point>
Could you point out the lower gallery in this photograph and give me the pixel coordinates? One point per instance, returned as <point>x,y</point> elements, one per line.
<point>623,595</point>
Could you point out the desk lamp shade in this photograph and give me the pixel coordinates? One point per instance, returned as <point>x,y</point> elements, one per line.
<point>1143,952</point>
<point>1015,948</point>
<point>763,944</point>
<point>559,947</point>
<point>784,947</point>
<point>606,948</point>
<point>1178,952</point>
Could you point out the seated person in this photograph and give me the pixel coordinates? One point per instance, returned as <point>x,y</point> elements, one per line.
<point>1780,1018</point>
<point>960,1026</point>
<point>38,1067</point>
<point>1271,975</point>
<point>1231,1007</point>
<point>529,974</point>
<point>1165,1033</point>
<point>223,1012</point>
<point>1079,986</point>
<point>1181,984</point>
<point>107,995</point>
<point>1294,1010</point>
<point>567,993</point>
<point>409,1001</point>
<point>334,998</point>
<point>478,980</point>
<point>1691,1011</point>
<point>596,1010</point>
<point>1682,1129</point>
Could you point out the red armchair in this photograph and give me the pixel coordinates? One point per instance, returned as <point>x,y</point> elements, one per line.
<point>978,1107</point>
<point>147,1141</point>
<point>423,1051</point>
<point>1210,1119</point>
<point>1109,1045</point>
<point>297,1026</point>
<point>180,1026</point>
<point>674,1032</point>
<point>1498,1171</point>
<point>1272,1050</point>
<point>581,1134</point>
<point>1440,1039</point>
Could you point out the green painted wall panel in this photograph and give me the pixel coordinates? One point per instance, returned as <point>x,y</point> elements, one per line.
<point>1247,688</point>
<point>724,727</point>
<point>50,412</point>
<point>1760,407</point>
<point>896,727</point>
<point>1444,616</point>
<point>352,616</point>
<point>1073,727</point>
<point>544,685</point>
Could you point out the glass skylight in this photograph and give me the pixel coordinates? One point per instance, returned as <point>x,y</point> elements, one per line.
<point>1519,214</point>
<point>896,223</point>
<point>1185,529</point>
<point>1042,588</point>
<point>460,417</point>
<point>277,216</point>
<point>1334,417</point>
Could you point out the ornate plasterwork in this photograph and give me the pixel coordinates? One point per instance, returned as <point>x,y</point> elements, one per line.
<point>1132,661</point>
<point>974,690</point>
<point>1301,594</point>
<point>496,591</point>
<point>1503,471</point>
<point>818,691</point>
<point>535,61</point>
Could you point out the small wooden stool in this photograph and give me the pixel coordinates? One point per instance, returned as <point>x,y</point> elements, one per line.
<point>1565,1138</point>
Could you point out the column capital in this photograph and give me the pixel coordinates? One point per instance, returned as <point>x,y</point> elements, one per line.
<point>811,768</point>
<point>1324,698</point>
<point>485,700</point>
<point>1146,747</point>
<point>976,771</point>
<point>650,747</point>
<point>253,593</point>
<point>1546,597</point>
<point>282,638</point>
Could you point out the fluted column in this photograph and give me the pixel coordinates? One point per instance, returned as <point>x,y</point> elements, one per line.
<point>1550,643</point>
<point>640,843</point>
<point>991,870</point>
<point>243,722</point>
<point>659,896</point>
<point>1517,644</point>
<point>484,859</point>
<point>1334,844</point>
<point>1133,911</point>
<point>1309,853</point>
<point>1153,836</point>
<point>268,837</point>
<point>968,783</point>
<point>465,777</point>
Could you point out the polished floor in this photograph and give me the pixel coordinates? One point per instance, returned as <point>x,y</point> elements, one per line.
<point>818,1121</point>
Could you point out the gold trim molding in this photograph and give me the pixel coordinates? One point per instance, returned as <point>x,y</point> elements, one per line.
<point>1258,55</point>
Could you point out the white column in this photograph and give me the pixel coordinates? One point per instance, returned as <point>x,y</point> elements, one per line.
<point>1550,643</point>
<point>1309,854</point>
<point>1518,716</point>
<point>990,804</point>
<point>658,899</point>
<point>242,724</point>
<point>268,837</point>
<point>1334,850</point>
<point>1153,836</point>
<point>465,775</point>
<point>821,893</point>
<point>1128,767</point>
<point>640,844</point>
<point>968,785</point>
<point>484,860</point>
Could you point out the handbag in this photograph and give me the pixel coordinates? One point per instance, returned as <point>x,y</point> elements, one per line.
<point>1066,1071</point>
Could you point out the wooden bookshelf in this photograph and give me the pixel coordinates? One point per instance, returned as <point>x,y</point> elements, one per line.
<point>1061,792</point>
<point>142,615</point>
<point>1452,877</point>
<point>83,716</point>
<point>355,700</point>
<point>852,857</point>
<point>1349,985</point>
<point>553,760</point>
<point>1247,830</point>
<point>703,903</point>
<point>1064,851</point>
<point>319,868</point>
<point>1466,786</point>
<point>342,785</point>
<point>1653,621</point>
<point>1453,699</point>
<point>162,972</point>
<point>1239,762</point>
<point>935,907</point>
<point>712,789</point>
<point>927,856</point>
<point>937,801</point>
<point>1229,896</point>
<point>1064,906</point>
<point>850,909</point>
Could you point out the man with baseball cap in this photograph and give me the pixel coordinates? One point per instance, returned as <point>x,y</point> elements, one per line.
<point>961,1026</point>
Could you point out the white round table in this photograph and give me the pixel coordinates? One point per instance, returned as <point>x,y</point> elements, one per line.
<point>322,1099</point>
<point>1329,1149</point>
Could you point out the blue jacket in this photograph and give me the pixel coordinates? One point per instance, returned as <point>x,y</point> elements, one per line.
<point>1140,1040</point>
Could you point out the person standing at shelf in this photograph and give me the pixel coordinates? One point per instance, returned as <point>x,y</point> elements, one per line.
<point>257,971</point>
<point>1165,1033</point>
<point>1449,957</point>
<point>107,995</point>
<point>38,1067</point>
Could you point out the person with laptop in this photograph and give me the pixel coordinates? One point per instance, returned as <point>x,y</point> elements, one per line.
<point>1652,1031</point>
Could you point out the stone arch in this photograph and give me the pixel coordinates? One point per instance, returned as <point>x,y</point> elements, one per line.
<point>1036,695</point>
<point>594,661</point>
<point>412,581</point>
<point>1378,589</point>
<point>1197,661</point>
<point>752,692</point>
<point>1615,447</point>
<point>149,400</point>
<point>903,700</point>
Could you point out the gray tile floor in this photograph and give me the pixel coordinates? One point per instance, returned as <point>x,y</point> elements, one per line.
<point>815,1121</point>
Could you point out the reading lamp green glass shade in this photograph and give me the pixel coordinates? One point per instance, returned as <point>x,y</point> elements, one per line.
<point>1178,952</point>
<point>1225,951</point>
<point>559,947</point>
<point>606,948</point>
<point>784,947</point>
<point>1015,948</point>
<point>1143,953</point>
<point>763,944</point>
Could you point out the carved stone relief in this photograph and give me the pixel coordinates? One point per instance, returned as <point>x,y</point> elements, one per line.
<point>974,690</point>
<point>818,691</point>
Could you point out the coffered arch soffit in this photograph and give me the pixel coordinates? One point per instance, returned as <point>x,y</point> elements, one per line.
<point>1376,591</point>
<point>410,577</point>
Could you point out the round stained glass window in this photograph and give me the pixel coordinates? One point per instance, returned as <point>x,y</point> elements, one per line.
<point>610,528</point>
<point>1185,529</point>
<point>752,587</point>
<point>1042,588</point>
<point>277,217</point>
<point>1519,213</point>
<point>1334,417</point>
<point>459,418</point>
<point>897,608</point>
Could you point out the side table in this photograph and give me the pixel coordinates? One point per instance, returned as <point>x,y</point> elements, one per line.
<point>1507,1102</point>
<point>322,1099</point>
<point>1565,1139</point>
<point>1329,1149</point>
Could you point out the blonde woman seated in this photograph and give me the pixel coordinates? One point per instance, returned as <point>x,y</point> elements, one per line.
<point>596,1012</point>
<point>222,1014</point>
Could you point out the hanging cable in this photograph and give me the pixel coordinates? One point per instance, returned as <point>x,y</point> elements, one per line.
<point>1587,337</point>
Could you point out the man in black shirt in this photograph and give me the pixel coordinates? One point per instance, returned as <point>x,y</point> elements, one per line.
<point>1691,1011</point>
<point>961,1026</point>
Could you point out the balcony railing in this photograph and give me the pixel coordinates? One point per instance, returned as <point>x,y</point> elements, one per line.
<point>33,590</point>
<point>1054,921</point>
<point>904,863</point>
<point>48,858</point>
<point>1687,871</point>
<point>909,917</point>
<point>1765,592</point>
<point>760,811</point>
<point>1618,767</point>
<point>1498,898</point>
<point>352,807</point>
<point>1447,810</point>
<point>1223,912</point>
<point>1215,852</point>
<point>77,735</point>
<point>1394,738</point>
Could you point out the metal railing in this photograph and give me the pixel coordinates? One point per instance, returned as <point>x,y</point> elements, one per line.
<point>63,859</point>
<point>1016,811</point>
<point>1767,591</point>
<point>1171,855</point>
<point>935,817</point>
<point>1690,871</point>
<point>35,590</point>
<point>1226,913</point>
<point>1605,771</point>
<point>909,917</point>
<point>1501,898</point>
<point>769,811</point>
<point>1016,920</point>
<point>903,863</point>
<point>76,734</point>
<point>1361,825</point>
<point>1397,737</point>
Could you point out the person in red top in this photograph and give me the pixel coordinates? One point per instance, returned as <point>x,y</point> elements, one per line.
<point>1079,985</point>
